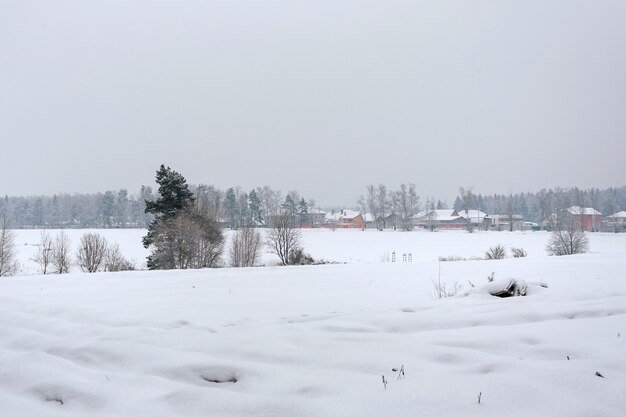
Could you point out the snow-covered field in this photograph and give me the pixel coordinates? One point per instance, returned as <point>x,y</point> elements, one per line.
<point>316,340</point>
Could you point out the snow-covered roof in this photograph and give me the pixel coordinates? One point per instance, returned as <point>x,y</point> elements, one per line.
<point>505,216</point>
<point>316,211</point>
<point>585,211</point>
<point>342,214</point>
<point>472,213</point>
<point>618,215</point>
<point>445,215</point>
<point>369,217</point>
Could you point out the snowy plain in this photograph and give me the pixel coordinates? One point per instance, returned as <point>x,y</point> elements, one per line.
<point>316,340</point>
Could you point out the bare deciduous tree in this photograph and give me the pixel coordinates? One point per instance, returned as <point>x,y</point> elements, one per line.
<point>382,201</point>
<point>468,199</point>
<point>61,259</point>
<point>91,252</point>
<point>362,203</point>
<point>45,252</point>
<point>510,210</point>
<point>245,247</point>
<point>8,264</point>
<point>409,205</point>
<point>283,237</point>
<point>567,239</point>
<point>373,206</point>
<point>114,261</point>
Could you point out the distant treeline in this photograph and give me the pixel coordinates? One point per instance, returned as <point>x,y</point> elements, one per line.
<point>120,209</point>
<point>538,206</point>
<point>234,206</point>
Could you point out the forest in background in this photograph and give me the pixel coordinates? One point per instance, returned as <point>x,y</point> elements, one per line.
<point>234,206</point>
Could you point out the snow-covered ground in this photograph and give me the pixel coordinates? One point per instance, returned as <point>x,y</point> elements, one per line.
<point>316,340</point>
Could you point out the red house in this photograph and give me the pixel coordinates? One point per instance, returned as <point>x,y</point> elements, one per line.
<point>589,218</point>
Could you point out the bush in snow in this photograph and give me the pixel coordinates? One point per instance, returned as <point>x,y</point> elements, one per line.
<point>451,258</point>
<point>91,252</point>
<point>567,242</point>
<point>114,261</point>
<point>496,252</point>
<point>441,290</point>
<point>298,257</point>
<point>519,252</point>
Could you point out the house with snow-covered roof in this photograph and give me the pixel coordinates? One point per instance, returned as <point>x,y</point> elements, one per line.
<point>316,216</point>
<point>344,219</point>
<point>616,221</point>
<point>589,218</point>
<point>439,219</point>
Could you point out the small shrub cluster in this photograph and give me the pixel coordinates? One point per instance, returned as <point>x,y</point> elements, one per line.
<point>441,290</point>
<point>496,252</point>
<point>451,258</point>
<point>298,257</point>
<point>114,261</point>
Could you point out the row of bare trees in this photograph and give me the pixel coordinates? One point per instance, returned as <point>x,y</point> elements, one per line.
<point>393,208</point>
<point>94,254</point>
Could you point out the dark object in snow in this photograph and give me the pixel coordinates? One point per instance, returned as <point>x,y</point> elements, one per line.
<point>400,371</point>
<point>384,382</point>
<point>599,374</point>
<point>55,399</point>
<point>511,290</point>
<point>567,357</point>
<point>231,380</point>
<point>480,395</point>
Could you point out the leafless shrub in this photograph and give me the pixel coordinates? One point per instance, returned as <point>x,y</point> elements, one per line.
<point>45,252</point>
<point>61,259</point>
<point>567,241</point>
<point>8,263</point>
<point>91,252</point>
<point>245,247</point>
<point>441,290</point>
<point>114,261</point>
<point>451,258</point>
<point>283,237</point>
<point>519,252</point>
<point>491,277</point>
<point>495,252</point>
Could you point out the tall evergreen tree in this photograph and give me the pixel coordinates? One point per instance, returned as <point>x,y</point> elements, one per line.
<point>174,197</point>
<point>254,203</point>
<point>230,206</point>
<point>303,209</point>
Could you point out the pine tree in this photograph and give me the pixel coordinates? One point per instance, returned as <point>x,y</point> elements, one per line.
<point>174,194</point>
<point>303,209</point>
<point>254,203</point>
<point>230,205</point>
<point>174,198</point>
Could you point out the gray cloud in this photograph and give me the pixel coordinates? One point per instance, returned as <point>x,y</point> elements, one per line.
<point>320,96</point>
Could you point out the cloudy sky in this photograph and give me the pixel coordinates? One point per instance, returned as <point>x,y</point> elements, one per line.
<point>320,96</point>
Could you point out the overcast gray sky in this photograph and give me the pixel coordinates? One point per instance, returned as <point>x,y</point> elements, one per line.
<point>320,96</point>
